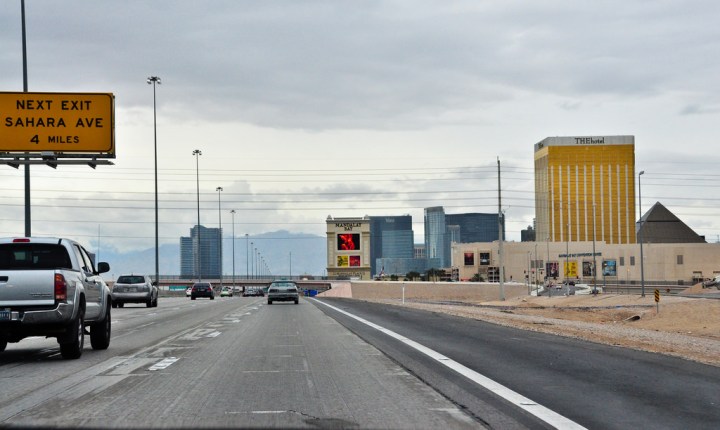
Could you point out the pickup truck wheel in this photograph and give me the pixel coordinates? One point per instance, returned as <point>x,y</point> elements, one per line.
<point>148,304</point>
<point>3,345</point>
<point>100,333</point>
<point>75,337</point>
<point>114,305</point>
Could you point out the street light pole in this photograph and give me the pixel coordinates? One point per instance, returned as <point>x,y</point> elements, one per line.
<point>233,245</point>
<point>219,256</point>
<point>642,262</point>
<point>156,80</point>
<point>197,153</point>
<point>247,256</point>
<point>594,260</point>
<point>252,265</point>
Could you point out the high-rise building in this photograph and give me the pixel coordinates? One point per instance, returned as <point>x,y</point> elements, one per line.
<point>436,244</point>
<point>390,237</point>
<point>585,189</point>
<point>210,255</point>
<point>473,227</point>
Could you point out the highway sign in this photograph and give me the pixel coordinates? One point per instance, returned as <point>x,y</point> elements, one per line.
<point>657,295</point>
<point>77,123</point>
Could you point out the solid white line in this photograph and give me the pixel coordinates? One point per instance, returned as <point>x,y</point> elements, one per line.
<point>547,415</point>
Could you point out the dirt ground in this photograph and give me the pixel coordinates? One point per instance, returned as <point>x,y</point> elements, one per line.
<point>685,327</point>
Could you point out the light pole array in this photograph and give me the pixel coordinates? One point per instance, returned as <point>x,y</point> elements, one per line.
<point>155,80</point>
<point>642,262</point>
<point>219,255</point>
<point>197,153</point>
<point>233,245</point>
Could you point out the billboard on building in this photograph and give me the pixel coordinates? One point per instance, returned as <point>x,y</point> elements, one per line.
<point>469,258</point>
<point>348,242</point>
<point>609,267</point>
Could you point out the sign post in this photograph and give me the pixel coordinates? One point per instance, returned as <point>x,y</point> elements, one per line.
<point>657,300</point>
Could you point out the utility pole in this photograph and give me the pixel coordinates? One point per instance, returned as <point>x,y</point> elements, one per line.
<point>501,220</point>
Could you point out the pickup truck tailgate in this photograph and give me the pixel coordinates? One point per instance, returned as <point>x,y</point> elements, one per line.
<point>27,288</point>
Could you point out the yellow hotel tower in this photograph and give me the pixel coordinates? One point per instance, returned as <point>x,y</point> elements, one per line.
<point>585,183</point>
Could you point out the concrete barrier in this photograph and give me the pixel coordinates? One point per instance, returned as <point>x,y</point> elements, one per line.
<point>430,291</point>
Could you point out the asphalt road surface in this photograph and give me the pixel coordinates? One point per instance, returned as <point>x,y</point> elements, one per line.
<point>227,363</point>
<point>237,362</point>
<point>594,386</point>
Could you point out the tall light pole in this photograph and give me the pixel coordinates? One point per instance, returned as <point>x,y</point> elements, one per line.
<point>594,260</point>
<point>197,153</point>
<point>252,265</point>
<point>247,256</point>
<point>219,256</point>
<point>155,80</point>
<point>233,245</point>
<point>642,262</point>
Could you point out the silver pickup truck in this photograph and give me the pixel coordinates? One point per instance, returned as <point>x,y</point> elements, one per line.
<point>50,287</point>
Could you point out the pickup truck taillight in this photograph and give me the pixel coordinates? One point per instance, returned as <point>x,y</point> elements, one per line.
<point>60,287</point>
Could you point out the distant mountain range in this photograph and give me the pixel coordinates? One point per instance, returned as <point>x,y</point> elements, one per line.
<point>280,249</point>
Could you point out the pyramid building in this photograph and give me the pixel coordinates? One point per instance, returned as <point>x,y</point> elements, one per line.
<point>659,225</point>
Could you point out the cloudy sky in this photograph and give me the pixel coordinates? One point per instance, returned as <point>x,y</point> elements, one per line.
<point>304,109</point>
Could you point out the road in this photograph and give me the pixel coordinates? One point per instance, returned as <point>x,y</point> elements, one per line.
<point>231,362</point>
<point>237,362</point>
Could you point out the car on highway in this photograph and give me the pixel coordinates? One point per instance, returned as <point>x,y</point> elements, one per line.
<point>226,292</point>
<point>134,289</point>
<point>188,292</point>
<point>283,291</point>
<point>253,292</point>
<point>202,289</point>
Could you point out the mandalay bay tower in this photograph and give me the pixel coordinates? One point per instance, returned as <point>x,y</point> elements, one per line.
<point>585,189</point>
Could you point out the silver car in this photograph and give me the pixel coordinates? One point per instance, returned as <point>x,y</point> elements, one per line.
<point>283,291</point>
<point>134,289</point>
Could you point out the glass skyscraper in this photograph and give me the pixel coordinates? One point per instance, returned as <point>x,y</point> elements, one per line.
<point>473,227</point>
<point>436,244</point>
<point>210,261</point>
<point>390,237</point>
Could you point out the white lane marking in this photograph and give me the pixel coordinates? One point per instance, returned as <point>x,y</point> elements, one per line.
<point>163,364</point>
<point>548,415</point>
<point>214,334</point>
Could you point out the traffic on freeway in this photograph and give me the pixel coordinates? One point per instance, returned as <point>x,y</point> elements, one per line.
<point>333,363</point>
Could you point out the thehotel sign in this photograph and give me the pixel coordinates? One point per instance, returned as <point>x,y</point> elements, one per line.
<point>80,123</point>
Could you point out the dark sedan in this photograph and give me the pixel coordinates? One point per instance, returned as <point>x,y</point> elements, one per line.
<point>202,289</point>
